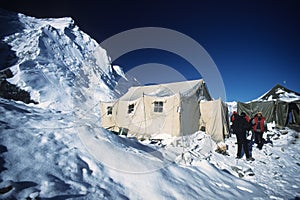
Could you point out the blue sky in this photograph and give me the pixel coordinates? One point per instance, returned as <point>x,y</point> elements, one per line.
<point>254,44</point>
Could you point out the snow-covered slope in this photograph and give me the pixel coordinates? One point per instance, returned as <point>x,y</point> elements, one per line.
<point>48,154</point>
<point>54,155</point>
<point>60,66</point>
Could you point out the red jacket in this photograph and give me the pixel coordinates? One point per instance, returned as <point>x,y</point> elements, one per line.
<point>232,116</point>
<point>247,118</point>
<point>262,124</point>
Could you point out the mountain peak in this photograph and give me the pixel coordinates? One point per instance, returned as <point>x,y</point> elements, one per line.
<point>281,93</point>
<point>60,65</point>
<point>35,23</point>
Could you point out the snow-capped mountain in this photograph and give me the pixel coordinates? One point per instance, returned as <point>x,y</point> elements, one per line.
<point>59,65</point>
<point>279,92</point>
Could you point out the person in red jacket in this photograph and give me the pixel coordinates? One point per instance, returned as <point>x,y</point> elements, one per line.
<point>258,128</point>
<point>232,117</point>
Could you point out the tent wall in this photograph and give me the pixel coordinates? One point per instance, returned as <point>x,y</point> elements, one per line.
<point>225,118</point>
<point>166,122</point>
<point>172,121</point>
<point>213,119</point>
<point>296,113</point>
<point>281,114</point>
<point>277,111</point>
<point>189,115</point>
<point>107,120</point>
<point>143,121</point>
<point>182,115</point>
<point>205,92</point>
<point>133,121</point>
<point>245,107</point>
<point>267,108</point>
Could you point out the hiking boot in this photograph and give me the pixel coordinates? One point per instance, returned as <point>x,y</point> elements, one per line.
<point>250,159</point>
<point>238,157</point>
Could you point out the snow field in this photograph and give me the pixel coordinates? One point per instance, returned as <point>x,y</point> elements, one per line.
<point>85,162</point>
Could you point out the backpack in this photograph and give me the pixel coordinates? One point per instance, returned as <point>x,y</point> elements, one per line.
<point>240,124</point>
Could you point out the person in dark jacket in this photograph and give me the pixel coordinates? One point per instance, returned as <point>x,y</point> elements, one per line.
<point>243,114</point>
<point>240,126</point>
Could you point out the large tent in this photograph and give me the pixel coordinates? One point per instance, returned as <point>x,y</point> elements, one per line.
<point>180,108</point>
<point>279,104</point>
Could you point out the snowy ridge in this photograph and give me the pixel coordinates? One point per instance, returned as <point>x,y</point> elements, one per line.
<point>58,23</point>
<point>286,96</point>
<point>119,71</point>
<point>61,66</point>
<point>279,93</point>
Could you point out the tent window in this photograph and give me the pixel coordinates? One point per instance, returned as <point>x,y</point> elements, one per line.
<point>158,106</point>
<point>130,108</point>
<point>109,110</point>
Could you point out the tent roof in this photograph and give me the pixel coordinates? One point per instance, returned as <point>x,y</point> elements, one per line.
<point>279,92</point>
<point>163,90</point>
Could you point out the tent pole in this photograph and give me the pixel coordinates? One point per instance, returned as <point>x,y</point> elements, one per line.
<point>144,114</point>
<point>181,133</point>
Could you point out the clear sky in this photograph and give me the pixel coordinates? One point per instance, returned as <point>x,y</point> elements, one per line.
<point>255,44</point>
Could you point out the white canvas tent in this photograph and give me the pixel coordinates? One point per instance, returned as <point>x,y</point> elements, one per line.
<point>214,118</point>
<point>180,108</point>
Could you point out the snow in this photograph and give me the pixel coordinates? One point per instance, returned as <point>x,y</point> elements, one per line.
<point>52,154</point>
<point>57,149</point>
<point>58,23</point>
<point>61,66</point>
<point>275,167</point>
<point>232,106</point>
<point>280,94</point>
<point>286,96</point>
<point>289,97</point>
<point>119,71</point>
